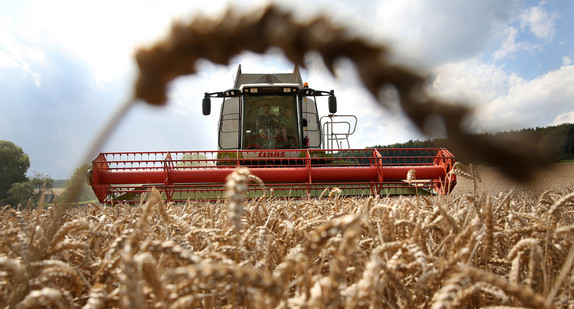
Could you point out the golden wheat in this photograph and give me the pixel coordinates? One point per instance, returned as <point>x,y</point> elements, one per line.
<point>415,252</point>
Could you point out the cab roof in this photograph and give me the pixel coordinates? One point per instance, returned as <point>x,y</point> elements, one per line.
<point>273,78</point>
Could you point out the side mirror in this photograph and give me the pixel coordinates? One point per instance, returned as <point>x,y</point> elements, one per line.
<point>332,103</point>
<point>206,106</point>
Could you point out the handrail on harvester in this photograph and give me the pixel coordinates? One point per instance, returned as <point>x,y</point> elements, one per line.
<point>187,175</point>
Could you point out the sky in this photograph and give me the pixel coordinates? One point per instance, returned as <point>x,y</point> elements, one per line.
<point>66,66</point>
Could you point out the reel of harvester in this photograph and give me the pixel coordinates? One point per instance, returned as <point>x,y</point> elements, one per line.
<point>201,175</point>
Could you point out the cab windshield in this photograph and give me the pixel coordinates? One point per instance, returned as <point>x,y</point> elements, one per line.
<point>270,121</point>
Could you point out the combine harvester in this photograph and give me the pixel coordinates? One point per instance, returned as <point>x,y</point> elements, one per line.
<point>270,124</point>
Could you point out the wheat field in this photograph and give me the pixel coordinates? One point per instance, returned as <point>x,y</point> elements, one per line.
<point>556,177</point>
<point>467,250</point>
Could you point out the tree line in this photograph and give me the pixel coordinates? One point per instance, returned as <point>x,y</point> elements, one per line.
<point>558,140</point>
<point>16,188</point>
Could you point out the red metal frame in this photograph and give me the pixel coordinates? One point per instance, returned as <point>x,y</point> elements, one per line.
<point>307,170</point>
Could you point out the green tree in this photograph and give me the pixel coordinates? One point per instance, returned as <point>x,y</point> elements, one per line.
<point>14,164</point>
<point>21,193</point>
<point>30,190</point>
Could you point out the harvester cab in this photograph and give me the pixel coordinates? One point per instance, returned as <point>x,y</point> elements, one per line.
<point>270,124</point>
<point>269,111</point>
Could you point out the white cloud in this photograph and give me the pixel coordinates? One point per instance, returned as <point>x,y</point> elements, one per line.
<point>510,45</point>
<point>533,103</point>
<point>473,82</point>
<point>566,60</point>
<point>539,22</point>
<point>564,118</point>
<point>441,31</point>
<point>106,33</point>
<point>502,100</point>
<point>17,48</point>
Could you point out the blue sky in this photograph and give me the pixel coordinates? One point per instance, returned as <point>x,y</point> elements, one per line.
<point>66,66</point>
